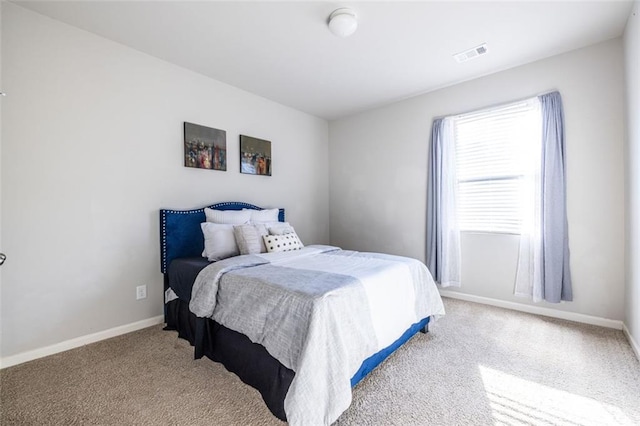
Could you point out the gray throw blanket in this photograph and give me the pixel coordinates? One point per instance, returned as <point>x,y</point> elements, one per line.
<point>316,311</point>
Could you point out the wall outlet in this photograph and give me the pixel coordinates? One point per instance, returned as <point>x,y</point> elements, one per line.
<point>141,292</point>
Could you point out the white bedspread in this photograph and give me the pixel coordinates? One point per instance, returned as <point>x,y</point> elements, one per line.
<point>321,312</point>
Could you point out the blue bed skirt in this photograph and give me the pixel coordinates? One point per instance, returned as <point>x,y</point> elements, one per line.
<point>374,360</point>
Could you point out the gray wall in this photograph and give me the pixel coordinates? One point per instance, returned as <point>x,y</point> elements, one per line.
<point>92,149</point>
<point>632,60</point>
<point>378,176</point>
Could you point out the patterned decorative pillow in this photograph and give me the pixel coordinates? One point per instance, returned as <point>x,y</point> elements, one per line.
<point>249,238</point>
<point>286,242</point>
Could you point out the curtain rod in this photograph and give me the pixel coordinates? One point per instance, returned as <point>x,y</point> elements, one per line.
<point>494,106</point>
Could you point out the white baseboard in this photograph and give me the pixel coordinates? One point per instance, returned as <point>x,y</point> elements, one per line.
<point>78,342</point>
<point>538,310</point>
<point>128,328</point>
<point>632,342</point>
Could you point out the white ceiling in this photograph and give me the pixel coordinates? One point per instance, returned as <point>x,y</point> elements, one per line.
<point>284,51</point>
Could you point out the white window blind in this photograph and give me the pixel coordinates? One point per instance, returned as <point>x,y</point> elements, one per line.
<point>497,159</point>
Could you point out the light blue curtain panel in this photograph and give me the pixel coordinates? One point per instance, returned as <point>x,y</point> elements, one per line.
<point>433,195</point>
<point>443,234</point>
<point>556,274</point>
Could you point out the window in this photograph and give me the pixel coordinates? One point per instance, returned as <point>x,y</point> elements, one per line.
<point>497,164</point>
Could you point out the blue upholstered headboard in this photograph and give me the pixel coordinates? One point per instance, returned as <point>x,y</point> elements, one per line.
<point>180,233</point>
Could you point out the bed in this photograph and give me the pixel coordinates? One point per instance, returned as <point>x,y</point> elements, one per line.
<point>298,326</point>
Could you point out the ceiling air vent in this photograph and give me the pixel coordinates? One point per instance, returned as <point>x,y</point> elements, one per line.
<point>471,53</point>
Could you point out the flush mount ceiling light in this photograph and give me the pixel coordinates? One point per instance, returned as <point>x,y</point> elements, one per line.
<point>343,22</point>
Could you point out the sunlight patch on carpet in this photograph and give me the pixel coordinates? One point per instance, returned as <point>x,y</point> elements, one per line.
<point>517,401</point>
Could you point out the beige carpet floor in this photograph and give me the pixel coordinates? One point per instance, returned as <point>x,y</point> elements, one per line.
<point>479,365</point>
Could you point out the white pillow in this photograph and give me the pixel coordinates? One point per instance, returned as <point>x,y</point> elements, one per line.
<point>219,241</point>
<point>279,228</point>
<point>263,216</point>
<point>278,243</point>
<point>249,238</point>
<point>229,217</point>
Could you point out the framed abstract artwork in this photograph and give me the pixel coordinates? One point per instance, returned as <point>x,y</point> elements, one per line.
<point>205,147</point>
<point>255,156</point>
